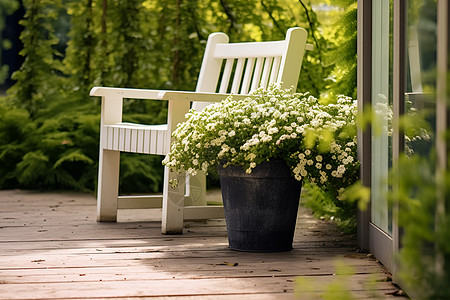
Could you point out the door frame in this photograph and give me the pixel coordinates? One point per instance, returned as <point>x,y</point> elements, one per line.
<point>369,236</point>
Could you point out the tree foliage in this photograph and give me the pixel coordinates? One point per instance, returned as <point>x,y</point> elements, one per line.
<point>7,7</point>
<point>38,73</point>
<point>344,55</point>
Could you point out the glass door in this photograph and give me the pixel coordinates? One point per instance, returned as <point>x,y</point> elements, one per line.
<point>382,112</point>
<point>380,229</point>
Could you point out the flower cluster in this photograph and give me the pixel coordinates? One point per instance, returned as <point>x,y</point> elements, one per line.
<point>317,141</point>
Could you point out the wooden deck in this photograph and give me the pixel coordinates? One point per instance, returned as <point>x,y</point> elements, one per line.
<point>51,247</point>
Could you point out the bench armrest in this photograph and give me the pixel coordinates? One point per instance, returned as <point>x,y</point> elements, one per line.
<point>161,94</point>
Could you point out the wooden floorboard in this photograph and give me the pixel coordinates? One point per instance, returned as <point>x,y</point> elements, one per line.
<point>51,247</point>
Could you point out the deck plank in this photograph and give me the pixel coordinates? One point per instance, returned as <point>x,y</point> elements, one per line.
<point>51,247</point>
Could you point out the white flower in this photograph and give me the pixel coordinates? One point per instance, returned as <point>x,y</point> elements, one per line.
<point>316,123</point>
<point>192,171</point>
<point>318,165</point>
<point>266,138</point>
<point>340,170</point>
<point>319,158</point>
<point>272,130</point>
<point>232,133</point>
<point>250,156</point>
<point>300,129</point>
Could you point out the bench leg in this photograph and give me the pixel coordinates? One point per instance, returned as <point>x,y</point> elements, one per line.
<point>196,190</point>
<point>108,185</point>
<point>173,202</point>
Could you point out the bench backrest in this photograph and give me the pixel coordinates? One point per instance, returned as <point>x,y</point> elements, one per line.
<point>239,68</point>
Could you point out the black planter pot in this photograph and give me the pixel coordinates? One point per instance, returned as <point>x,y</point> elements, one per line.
<point>260,207</point>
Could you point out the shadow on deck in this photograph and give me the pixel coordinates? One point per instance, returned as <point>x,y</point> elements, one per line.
<point>51,247</point>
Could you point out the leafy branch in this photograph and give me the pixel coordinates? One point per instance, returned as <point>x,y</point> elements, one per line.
<point>312,26</point>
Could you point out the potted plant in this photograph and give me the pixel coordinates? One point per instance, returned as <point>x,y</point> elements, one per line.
<point>262,148</point>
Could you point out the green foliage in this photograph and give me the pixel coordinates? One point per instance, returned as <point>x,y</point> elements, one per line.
<point>424,258</point>
<point>56,152</point>
<point>15,129</point>
<point>341,210</point>
<point>37,77</point>
<point>7,7</point>
<point>140,173</point>
<point>343,55</point>
<point>325,205</point>
<point>81,48</point>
